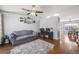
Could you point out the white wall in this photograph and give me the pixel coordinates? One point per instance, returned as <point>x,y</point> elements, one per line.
<point>51,22</point>
<point>12,23</point>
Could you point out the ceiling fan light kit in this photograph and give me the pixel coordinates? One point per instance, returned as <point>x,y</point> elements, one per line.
<point>32,12</point>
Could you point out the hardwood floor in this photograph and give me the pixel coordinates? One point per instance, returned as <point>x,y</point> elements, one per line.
<point>56,49</point>
<point>5,49</point>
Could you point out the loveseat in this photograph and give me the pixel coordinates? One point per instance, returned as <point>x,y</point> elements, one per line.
<point>22,36</point>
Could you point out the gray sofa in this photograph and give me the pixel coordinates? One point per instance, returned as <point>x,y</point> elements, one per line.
<point>18,37</point>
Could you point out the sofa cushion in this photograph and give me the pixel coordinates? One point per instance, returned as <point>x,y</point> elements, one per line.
<point>24,37</point>
<point>23,32</point>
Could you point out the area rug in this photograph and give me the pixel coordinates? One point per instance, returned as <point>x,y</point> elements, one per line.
<point>35,47</point>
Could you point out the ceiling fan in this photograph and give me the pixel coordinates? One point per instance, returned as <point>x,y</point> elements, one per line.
<point>33,11</point>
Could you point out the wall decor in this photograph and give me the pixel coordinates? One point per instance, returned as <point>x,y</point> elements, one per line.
<point>21,19</point>
<point>28,20</point>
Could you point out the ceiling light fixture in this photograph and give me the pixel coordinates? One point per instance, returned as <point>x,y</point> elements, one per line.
<point>48,16</point>
<point>70,16</point>
<point>56,14</point>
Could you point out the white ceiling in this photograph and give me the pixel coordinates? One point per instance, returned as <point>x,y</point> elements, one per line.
<point>49,10</point>
<point>64,10</point>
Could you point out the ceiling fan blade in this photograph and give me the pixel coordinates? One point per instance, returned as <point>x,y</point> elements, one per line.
<point>39,12</point>
<point>28,13</point>
<point>26,9</point>
<point>32,11</point>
